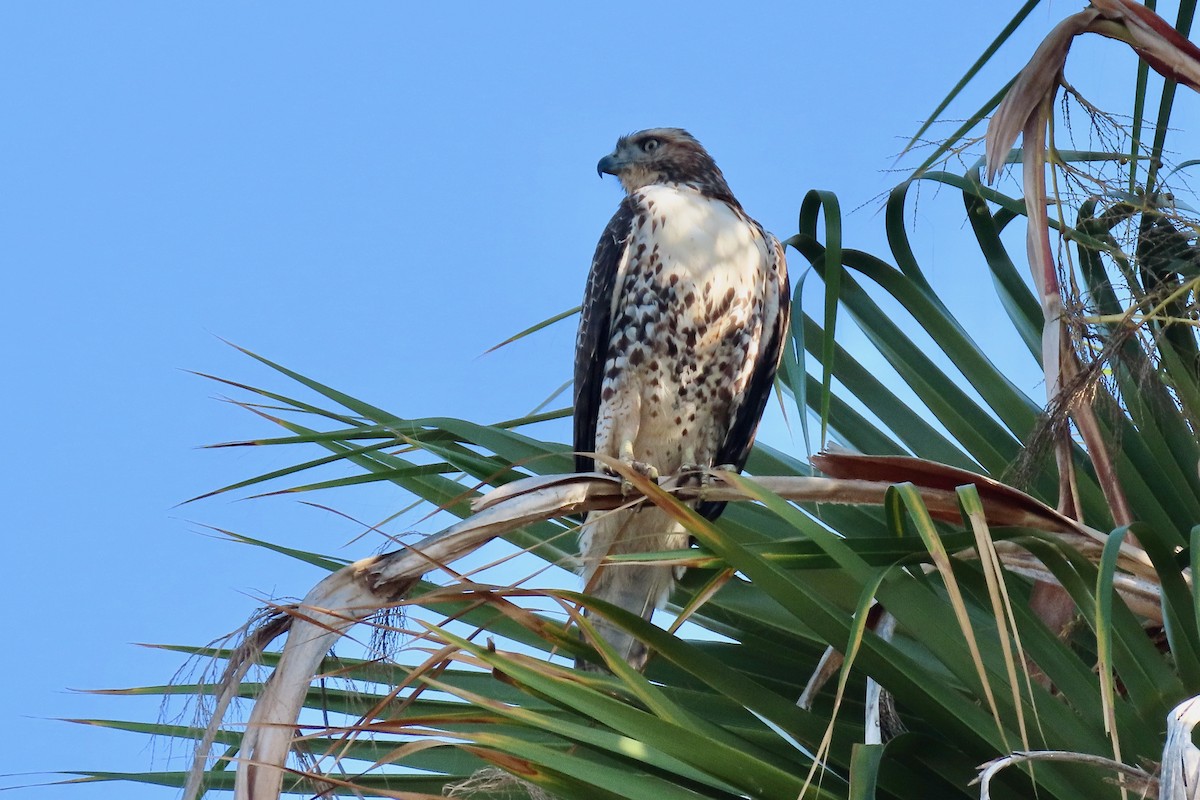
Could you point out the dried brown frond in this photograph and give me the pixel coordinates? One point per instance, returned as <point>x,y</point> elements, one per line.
<point>1133,779</point>
<point>1055,423</point>
<point>493,782</point>
<point>259,631</point>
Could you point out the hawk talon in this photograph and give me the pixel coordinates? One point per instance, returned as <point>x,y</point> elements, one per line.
<point>707,478</point>
<point>641,468</point>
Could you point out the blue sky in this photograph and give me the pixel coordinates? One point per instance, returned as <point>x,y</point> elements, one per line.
<point>372,194</point>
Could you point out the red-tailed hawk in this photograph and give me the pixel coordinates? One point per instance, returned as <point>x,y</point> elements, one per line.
<point>683,323</point>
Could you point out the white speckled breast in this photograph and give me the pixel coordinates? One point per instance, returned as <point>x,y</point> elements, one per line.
<point>687,320</point>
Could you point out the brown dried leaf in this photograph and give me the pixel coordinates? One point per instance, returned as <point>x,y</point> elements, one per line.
<point>1037,82</point>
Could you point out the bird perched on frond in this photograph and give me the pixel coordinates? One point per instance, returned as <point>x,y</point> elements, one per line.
<point>682,328</point>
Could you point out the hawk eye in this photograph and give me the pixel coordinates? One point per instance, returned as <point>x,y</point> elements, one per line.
<point>650,145</point>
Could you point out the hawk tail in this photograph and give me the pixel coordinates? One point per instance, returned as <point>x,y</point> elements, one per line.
<point>638,588</point>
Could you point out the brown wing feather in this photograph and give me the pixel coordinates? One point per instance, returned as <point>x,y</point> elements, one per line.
<point>735,449</point>
<point>591,345</point>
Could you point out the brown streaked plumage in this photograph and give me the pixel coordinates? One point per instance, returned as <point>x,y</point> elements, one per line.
<point>683,323</point>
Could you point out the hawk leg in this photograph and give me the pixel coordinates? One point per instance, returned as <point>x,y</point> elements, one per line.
<point>706,478</point>
<point>640,467</point>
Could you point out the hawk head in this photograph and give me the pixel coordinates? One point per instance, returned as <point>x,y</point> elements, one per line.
<point>664,155</point>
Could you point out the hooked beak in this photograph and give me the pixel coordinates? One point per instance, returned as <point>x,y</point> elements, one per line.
<point>610,164</point>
